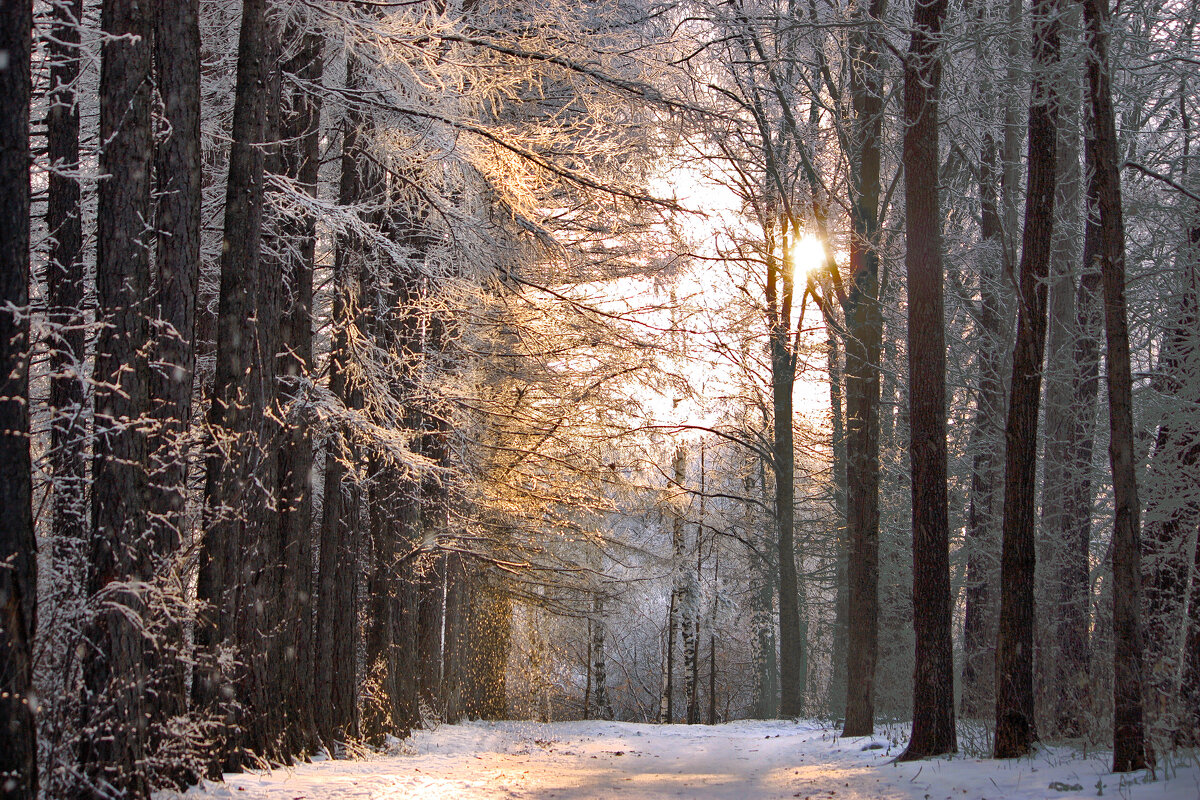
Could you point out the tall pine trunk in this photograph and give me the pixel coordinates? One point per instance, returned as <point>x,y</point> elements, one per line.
<point>1070,704</point>
<point>1015,724</point>
<point>1129,747</point>
<point>1056,528</point>
<point>65,287</point>
<point>177,217</point>
<point>979,618</point>
<point>240,579</point>
<point>599,665</point>
<point>113,742</point>
<point>18,549</point>
<point>300,156</point>
<point>837,673</point>
<point>337,607</point>
<point>783,381</point>
<point>864,318</point>
<point>933,730</point>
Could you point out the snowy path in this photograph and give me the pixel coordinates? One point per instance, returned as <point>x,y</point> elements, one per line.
<point>737,761</point>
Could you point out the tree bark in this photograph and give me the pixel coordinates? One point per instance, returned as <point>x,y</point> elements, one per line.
<point>837,672</point>
<point>1060,717</point>
<point>599,665</point>
<point>344,513</point>
<point>1015,724</point>
<point>1129,746</point>
<point>1189,684</point>
<point>65,288</point>
<point>1070,705</point>
<point>1173,503</point>
<point>766,685</point>
<point>300,155</point>
<point>241,559</point>
<point>980,615</point>
<point>865,321</point>
<point>933,730</point>
<point>113,749</point>
<point>173,303</point>
<point>431,589</point>
<point>18,548</point>
<point>783,380</point>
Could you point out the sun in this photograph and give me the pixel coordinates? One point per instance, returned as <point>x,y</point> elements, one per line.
<point>808,255</point>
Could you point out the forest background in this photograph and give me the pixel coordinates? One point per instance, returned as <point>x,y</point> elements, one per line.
<point>370,365</point>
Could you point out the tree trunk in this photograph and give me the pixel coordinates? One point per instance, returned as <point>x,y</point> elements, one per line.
<point>865,322</point>
<point>114,749</point>
<point>1173,502</point>
<point>783,379</point>
<point>666,704</point>
<point>599,666</point>
<point>1129,749</point>
<point>300,154</point>
<point>1057,523</point>
<point>454,636</point>
<point>1189,684</point>
<point>1070,704</point>
<point>766,687</point>
<point>1015,725</point>
<point>378,648</point>
<point>429,632</point>
<point>980,616</point>
<point>1172,518</point>
<point>65,287</point>
<point>837,672</point>
<point>337,613</point>
<point>933,678</point>
<point>406,707</point>
<point>178,197</point>
<point>18,548</point>
<point>241,574</point>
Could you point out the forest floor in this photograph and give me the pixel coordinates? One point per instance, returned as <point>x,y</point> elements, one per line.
<point>735,761</point>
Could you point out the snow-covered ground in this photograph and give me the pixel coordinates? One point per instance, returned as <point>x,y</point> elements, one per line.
<point>736,761</point>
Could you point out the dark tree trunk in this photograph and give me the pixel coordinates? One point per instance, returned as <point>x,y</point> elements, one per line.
<point>454,636</point>
<point>599,665</point>
<point>1057,517</point>
<point>864,318</point>
<point>344,514</point>
<point>113,747</point>
<point>402,331</point>
<point>18,549</point>
<point>300,155</point>
<point>173,303</point>
<point>240,577</point>
<point>1171,521</point>
<point>783,380</point>
<point>336,674</point>
<point>1015,726</point>
<point>933,678</point>
<point>65,286</point>
<point>382,588</point>
<point>837,672</point>
<point>1189,689</point>
<point>666,706</point>
<point>406,708</point>
<point>1070,703</point>
<point>1172,508</point>
<point>1129,748</point>
<point>979,620</point>
<point>178,197</point>
<point>431,589</point>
